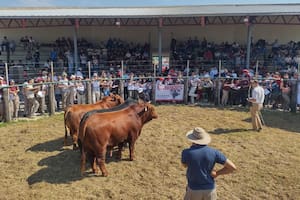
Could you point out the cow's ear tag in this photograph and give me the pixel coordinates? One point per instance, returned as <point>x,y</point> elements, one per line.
<point>146,109</point>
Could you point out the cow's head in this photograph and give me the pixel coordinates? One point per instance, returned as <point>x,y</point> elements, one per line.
<point>148,112</point>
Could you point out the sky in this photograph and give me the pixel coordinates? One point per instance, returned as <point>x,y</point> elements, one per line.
<point>129,3</point>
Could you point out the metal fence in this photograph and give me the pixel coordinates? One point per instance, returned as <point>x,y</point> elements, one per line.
<point>156,91</point>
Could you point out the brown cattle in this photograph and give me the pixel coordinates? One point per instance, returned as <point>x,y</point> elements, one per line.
<point>109,129</point>
<point>74,113</point>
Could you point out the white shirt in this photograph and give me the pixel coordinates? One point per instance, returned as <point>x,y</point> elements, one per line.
<point>258,94</point>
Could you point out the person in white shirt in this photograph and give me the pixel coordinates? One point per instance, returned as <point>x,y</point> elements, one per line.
<point>257,101</point>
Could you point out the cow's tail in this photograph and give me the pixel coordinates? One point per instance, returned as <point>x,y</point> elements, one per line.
<point>81,134</point>
<point>66,114</point>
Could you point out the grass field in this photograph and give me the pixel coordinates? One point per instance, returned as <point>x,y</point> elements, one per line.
<point>35,165</point>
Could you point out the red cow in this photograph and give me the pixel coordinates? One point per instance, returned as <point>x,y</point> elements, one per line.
<point>74,113</point>
<point>109,129</point>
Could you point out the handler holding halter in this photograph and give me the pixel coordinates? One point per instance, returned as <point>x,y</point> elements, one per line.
<point>257,101</point>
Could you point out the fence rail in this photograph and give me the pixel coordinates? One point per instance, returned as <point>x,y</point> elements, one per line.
<point>173,93</point>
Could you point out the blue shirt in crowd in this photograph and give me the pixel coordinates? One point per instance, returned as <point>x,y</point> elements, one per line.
<point>200,161</point>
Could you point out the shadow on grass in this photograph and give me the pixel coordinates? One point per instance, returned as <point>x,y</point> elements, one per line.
<point>61,168</point>
<point>65,166</point>
<point>275,119</point>
<point>49,146</point>
<point>226,131</point>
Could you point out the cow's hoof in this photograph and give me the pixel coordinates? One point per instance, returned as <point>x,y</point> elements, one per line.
<point>96,171</point>
<point>105,174</point>
<point>75,147</point>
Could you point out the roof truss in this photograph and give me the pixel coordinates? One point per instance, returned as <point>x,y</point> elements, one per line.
<point>166,21</point>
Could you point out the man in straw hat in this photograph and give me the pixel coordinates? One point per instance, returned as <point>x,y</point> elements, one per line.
<point>200,161</point>
<point>257,100</point>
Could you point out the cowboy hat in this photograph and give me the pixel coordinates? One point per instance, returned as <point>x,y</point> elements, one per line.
<point>198,136</point>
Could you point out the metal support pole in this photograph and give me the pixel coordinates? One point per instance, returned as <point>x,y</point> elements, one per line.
<point>52,101</point>
<point>256,69</point>
<point>249,35</point>
<point>75,48</point>
<point>294,95</point>
<point>88,92</point>
<point>89,69</point>
<point>52,72</point>
<point>219,84</point>
<point>122,80</point>
<point>154,84</point>
<point>159,50</point>
<point>186,84</point>
<point>6,73</point>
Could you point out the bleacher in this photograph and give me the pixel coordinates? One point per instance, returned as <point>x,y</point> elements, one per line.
<point>18,62</point>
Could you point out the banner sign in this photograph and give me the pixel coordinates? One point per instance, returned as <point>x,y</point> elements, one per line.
<point>169,92</point>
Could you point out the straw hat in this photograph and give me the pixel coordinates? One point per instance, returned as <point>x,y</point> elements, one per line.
<point>198,136</point>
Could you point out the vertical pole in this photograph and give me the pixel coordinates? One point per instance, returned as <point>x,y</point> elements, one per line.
<point>52,72</point>
<point>122,80</point>
<point>249,35</point>
<point>75,47</point>
<point>6,72</point>
<point>52,102</point>
<point>159,50</point>
<point>294,95</point>
<point>6,105</point>
<point>219,83</point>
<point>186,84</point>
<point>89,69</point>
<point>88,92</point>
<point>154,84</point>
<point>51,94</point>
<point>256,69</point>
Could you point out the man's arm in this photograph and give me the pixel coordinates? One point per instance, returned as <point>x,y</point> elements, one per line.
<point>228,168</point>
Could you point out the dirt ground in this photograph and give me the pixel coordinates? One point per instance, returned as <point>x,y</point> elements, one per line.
<point>35,165</point>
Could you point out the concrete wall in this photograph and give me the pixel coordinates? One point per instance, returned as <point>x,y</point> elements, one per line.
<point>216,33</point>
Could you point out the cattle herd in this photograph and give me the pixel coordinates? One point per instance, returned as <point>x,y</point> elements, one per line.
<point>98,128</point>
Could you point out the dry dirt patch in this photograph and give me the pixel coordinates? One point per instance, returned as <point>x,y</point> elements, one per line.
<point>35,165</point>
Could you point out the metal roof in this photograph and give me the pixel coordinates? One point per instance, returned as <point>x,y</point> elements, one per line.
<point>150,12</point>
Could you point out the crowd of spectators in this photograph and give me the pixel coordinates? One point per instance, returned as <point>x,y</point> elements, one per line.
<point>104,55</point>
<point>233,55</point>
<point>203,84</point>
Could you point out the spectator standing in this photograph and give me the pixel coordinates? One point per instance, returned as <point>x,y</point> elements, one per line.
<point>285,92</point>
<point>200,160</point>
<point>80,89</point>
<point>30,91</point>
<point>72,88</point>
<point>193,82</point>
<point>96,94</point>
<point>65,92</point>
<point>257,100</point>
<point>57,91</point>
<point>115,84</point>
<point>14,96</point>
<point>40,96</point>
